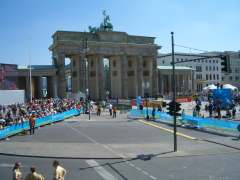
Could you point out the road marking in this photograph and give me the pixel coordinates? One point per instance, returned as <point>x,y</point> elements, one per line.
<point>7,165</point>
<point>168,130</point>
<point>100,170</point>
<point>113,151</point>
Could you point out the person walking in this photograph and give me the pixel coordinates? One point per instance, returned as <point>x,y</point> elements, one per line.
<point>234,112</point>
<point>33,175</point>
<point>98,110</point>
<point>110,109</point>
<point>32,124</point>
<point>153,113</point>
<point>17,174</point>
<point>59,172</point>
<point>114,112</point>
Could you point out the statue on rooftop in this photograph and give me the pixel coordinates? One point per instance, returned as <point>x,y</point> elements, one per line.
<point>104,26</point>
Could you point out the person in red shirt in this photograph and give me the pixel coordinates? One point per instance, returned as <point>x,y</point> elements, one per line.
<point>32,124</point>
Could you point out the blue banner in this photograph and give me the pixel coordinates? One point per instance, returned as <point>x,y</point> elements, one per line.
<point>223,97</point>
<point>20,127</point>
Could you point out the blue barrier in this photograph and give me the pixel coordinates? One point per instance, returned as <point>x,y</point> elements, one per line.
<point>227,125</point>
<point>136,113</point>
<point>17,128</point>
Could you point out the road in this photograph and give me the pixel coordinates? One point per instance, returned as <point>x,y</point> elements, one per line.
<point>106,148</point>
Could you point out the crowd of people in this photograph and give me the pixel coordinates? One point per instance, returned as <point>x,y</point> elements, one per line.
<point>215,109</point>
<point>58,173</point>
<point>19,113</point>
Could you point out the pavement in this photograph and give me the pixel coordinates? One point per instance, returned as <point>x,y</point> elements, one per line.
<point>120,148</point>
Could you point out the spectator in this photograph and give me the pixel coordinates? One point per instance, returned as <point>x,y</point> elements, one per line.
<point>17,174</point>
<point>33,175</point>
<point>59,172</point>
<point>110,109</point>
<point>114,112</point>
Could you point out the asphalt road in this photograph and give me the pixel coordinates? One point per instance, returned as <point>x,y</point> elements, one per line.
<point>106,148</point>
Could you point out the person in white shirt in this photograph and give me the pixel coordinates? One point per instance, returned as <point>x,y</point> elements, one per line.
<point>59,172</point>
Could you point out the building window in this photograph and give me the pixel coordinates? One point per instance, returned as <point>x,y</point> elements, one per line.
<point>217,68</point>
<point>206,68</point>
<point>236,78</point>
<point>93,73</point>
<point>213,68</point>
<point>177,59</point>
<point>198,76</point>
<point>130,73</point>
<point>206,76</point>
<point>198,68</point>
<point>210,61</point>
<point>210,77</point>
<point>92,63</point>
<point>163,62</point>
<point>210,68</point>
<point>213,76</point>
<point>202,61</point>
<point>216,61</point>
<point>145,73</point>
<point>217,77</point>
<point>213,61</point>
<point>114,73</point>
<point>206,61</point>
<point>114,63</point>
<point>129,63</point>
<point>144,64</point>
<point>230,78</point>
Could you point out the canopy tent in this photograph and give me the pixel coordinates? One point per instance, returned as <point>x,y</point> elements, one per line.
<point>229,86</point>
<point>210,87</point>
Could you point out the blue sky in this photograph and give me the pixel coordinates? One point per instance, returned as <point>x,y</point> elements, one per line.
<point>27,25</point>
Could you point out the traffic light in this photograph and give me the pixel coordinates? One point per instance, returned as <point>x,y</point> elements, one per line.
<point>225,63</point>
<point>171,108</point>
<point>178,108</point>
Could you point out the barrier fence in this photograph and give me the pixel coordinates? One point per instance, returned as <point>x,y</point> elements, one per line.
<point>20,127</point>
<point>198,122</point>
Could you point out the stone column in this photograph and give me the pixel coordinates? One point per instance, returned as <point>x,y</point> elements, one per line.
<point>27,89</point>
<point>75,75</point>
<point>82,75</point>
<point>154,76</point>
<point>139,76</point>
<point>124,76</point>
<point>61,79</point>
<point>39,87</point>
<point>100,77</point>
<point>51,86</point>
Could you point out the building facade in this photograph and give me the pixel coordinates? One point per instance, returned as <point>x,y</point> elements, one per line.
<point>207,71</point>
<point>233,76</point>
<point>184,81</point>
<point>132,63</point>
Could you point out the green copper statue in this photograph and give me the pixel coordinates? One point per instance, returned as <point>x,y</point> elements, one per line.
<point>104,26</point>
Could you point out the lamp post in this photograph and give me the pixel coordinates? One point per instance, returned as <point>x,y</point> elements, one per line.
<point>174,95</point>
<point>88,103</point>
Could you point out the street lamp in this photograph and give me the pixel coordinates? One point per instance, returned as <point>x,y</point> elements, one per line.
<point>88,103</point>
<point>107,95</point>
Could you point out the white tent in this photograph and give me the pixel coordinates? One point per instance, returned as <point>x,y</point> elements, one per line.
<point>210,87</point>
<point>229,86</point>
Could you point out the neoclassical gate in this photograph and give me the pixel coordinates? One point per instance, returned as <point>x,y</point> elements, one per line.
<point>132,63</point>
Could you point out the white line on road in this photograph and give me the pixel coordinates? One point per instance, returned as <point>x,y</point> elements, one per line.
<point>100,170</point>
<point>7,165</point>
<point>113,151</point>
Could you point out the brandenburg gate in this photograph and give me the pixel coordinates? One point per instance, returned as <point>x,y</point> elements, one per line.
<point>132,63</point>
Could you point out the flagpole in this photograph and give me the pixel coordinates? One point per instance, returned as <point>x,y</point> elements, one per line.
<point>30,74</point>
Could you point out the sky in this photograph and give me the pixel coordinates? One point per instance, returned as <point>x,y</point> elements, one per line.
<point>27,25</point>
